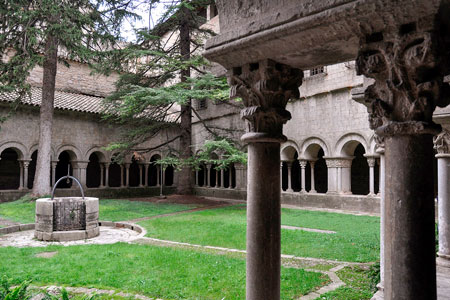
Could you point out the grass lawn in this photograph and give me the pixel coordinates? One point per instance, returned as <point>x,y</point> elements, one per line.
<point>154,271</point>
<point>110,210</point>
<point>357,286</point>
<point>356,240</point>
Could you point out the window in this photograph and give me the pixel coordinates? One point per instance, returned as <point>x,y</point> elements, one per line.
<point>317,71</point>
<point>201,104</point>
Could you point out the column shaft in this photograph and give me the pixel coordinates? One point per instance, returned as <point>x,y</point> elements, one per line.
<point>303,168</point>
<point>382,218</point>
<point>230,178</point>
<point>25,174</point>
<point>289,188</point>
<point>444,209</point>
<point>141,184</point>
<point>263,222</point>
<point>107,175</point>
<point>21,175</point>
<point>313,185</point>
<point>410,268</point>
<point>102,172</point>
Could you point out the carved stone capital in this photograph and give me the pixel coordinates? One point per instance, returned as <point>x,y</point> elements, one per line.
<point>303,163</point>
<point>339,162</point>
<point>265,88</point>
<point>379,143</point>
<point>408,64</point>
<point>442,142</point>
<point>371,161</point>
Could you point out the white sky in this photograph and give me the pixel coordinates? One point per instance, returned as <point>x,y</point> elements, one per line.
<point>143,11</point>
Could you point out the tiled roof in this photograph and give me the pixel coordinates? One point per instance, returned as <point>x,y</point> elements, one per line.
<point>63,100</point>
<point>72,101</point>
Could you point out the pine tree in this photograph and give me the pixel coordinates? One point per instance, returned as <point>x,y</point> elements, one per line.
<point>169,72</point>
<point>32,32</point>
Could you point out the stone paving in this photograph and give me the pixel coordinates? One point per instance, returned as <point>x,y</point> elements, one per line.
<point>108,235</point>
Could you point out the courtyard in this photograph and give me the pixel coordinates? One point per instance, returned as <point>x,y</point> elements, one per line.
<point>194,248</point>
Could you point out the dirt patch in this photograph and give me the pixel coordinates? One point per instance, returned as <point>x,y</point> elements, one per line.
<point>182,199</point>
<point>46,254</point>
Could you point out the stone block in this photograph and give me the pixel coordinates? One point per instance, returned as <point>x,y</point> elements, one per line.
<point>46,236</point>
<point>38,235</point>
<point>91,217</point>
<point>92,224</point>
<point>106,223</point>
<point>91,205</point>
<point>44,227</point>
<point>44,207</point>
<point>92,232</point>
<point>65,236</point>
<point>12,229</point>
<point>24,227</point>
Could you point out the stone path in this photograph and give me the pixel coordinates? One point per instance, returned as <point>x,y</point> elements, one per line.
<point>307,229</point>
<point>108,235</point>
<point>56,290</point>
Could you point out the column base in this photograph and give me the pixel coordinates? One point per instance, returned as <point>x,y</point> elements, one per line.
<point>289,191</point>
<point>312,192</point>
<point>443,260</point>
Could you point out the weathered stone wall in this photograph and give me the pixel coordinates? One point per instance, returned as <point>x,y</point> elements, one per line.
<point>77,79</point>
<point>79,133</point>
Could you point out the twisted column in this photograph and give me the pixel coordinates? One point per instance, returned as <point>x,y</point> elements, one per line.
<point>265,88</point>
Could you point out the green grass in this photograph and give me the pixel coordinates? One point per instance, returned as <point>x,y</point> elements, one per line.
<point>358,286</point>
<point>110,210</point>
<point>357,238</point>
<point>162,272</point>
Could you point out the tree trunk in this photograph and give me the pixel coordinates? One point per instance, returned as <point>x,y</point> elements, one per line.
<point>41,185</point>
<point>185,174</point>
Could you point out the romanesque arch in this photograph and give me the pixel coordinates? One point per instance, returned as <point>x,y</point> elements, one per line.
<point>10,168</point>
<point>346,145</point>
<point>311,147</point>
<point>18,147</point>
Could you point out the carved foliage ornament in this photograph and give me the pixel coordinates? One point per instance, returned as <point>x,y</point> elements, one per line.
<point>442,142</point>
<point>265,88</point>
<point>408,65</point>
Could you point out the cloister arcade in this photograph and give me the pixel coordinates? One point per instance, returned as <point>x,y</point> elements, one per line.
<point>354,168</point>
<point>95,169</point>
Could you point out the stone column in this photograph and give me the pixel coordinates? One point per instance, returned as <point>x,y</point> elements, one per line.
<point>345,174</point>
<point>333,173</point>
<point>127,174</point>
<point>222,178</point>
<point>145,175</point>
<point>102,175</point>
<point>313,185</point>
<point>240,177</point>
<point>408,70</point>
<point>196,178</point>
<point>205,176</point>
<point>380,150</point>
<point>442,145</point>
<point>107,174</point>
<point>303,164</point>
<point>208,179</point>
<point>265,88</point>
<point>230,179</point>
<point>371,163</point>
<point>82,166</point>
<point>158,175</point>
<point>54,163</point>
<point>217,179</point>
<point>281,176</point>
<point>289,166</point>
<point>141,177</point>
<point>21,175</point>
<point>26,164</point>
<point>121,176</point>
<point>339,178</point>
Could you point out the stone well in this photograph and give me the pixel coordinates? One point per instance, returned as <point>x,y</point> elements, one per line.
<point>66,219</point>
